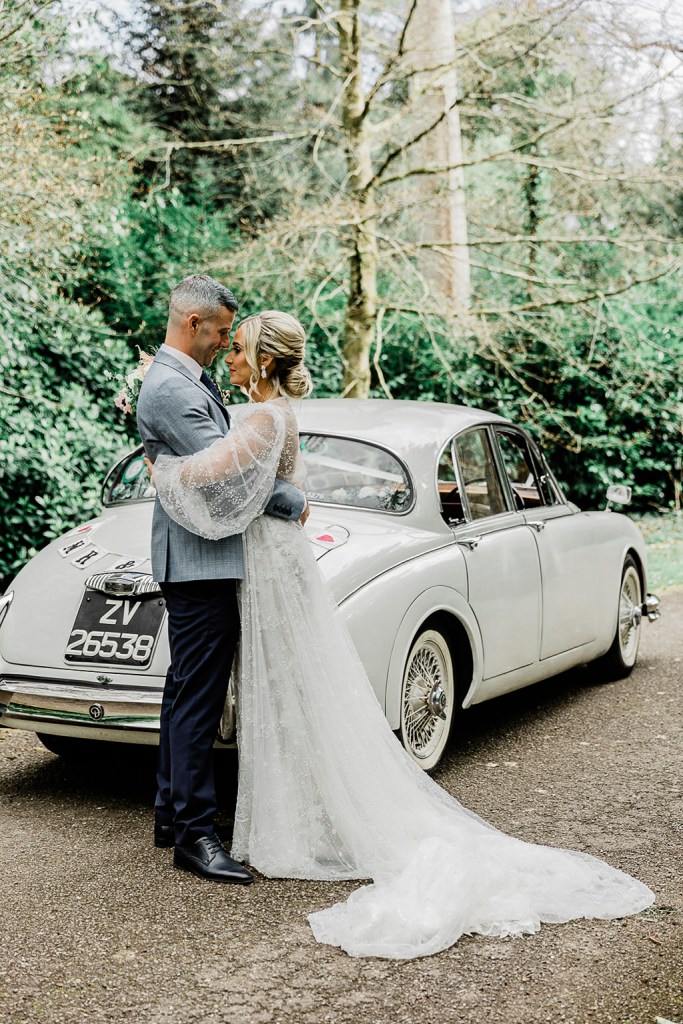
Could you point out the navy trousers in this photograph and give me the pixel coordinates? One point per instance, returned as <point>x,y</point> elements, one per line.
<point>203,631</point>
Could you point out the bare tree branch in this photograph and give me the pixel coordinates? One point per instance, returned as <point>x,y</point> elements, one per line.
<point>394,59</point>
<point>578,300</point>
<point>219,144</point>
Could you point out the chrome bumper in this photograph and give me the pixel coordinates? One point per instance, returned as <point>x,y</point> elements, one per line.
<point>650,607</point>
<point>36,705</point>
<point>91,712</point>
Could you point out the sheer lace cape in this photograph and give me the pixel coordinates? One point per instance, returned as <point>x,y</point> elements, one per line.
<point>219,491</point>
<point>325,789</point>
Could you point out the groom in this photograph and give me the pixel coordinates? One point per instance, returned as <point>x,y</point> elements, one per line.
<point>180,412</point>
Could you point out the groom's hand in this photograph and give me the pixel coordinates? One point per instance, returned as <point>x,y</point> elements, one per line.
<point>305,514</point>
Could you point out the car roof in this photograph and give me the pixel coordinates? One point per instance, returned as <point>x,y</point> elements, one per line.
<point>397,424</point>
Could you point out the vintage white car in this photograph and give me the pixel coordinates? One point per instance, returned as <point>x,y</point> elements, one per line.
<point>462,571</point>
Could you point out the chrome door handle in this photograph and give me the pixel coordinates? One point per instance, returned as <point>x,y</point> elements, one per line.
<point>470,543</point>
<point>537,526</point>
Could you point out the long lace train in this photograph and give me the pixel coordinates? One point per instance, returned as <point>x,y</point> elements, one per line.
<point>326,790</point>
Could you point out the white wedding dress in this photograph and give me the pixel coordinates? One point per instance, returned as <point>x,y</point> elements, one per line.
<point>326,791</point>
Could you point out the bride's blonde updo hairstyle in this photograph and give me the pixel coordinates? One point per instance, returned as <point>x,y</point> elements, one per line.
<point>280,335</point>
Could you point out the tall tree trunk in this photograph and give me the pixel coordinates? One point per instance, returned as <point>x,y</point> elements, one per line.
<point>361,310</point>
<point>442,213</point>
<point>532,182</point>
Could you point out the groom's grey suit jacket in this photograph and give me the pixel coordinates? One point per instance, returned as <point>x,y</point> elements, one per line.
<point>178,415</point>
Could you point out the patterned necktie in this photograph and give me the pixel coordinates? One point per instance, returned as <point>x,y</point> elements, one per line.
<point>208,383</point>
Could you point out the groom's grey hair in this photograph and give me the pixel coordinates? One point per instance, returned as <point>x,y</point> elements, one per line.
<point>200,294</point>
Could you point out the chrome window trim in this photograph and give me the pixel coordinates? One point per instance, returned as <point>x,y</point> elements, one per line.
<point>450,447</point>
<point>539,464</point>
<point>487,428</point>
<point>502,471</point>
<point>371,444</point>
<point>561,498</point>
<point>503,428</point>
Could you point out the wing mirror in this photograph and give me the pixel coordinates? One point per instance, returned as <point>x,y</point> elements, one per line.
<point>619,494</point>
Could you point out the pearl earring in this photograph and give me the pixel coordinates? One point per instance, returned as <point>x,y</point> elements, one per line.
<point>263,372</point>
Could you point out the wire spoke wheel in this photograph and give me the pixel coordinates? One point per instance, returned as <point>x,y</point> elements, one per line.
<point>427,699</point>
<point>630,614</point>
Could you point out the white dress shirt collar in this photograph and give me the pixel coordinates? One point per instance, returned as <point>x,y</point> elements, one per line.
<point>188,362</point>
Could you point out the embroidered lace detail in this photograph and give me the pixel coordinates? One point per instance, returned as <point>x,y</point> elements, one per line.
<point>220,490</point>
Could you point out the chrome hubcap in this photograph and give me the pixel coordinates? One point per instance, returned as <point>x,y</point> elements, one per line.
<point>437,701</point>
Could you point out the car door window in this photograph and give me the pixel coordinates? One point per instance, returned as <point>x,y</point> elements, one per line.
<point>530,487</point>
<point>483,489</point>
<point>449,491</point>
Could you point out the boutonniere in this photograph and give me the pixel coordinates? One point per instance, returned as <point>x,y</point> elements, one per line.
<point>130,383</point>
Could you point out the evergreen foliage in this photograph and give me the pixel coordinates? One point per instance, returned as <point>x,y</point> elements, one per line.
<point>120,175</point>
<point>58,431</point>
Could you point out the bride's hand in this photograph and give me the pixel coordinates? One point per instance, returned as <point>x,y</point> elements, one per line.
<point>150,469</point>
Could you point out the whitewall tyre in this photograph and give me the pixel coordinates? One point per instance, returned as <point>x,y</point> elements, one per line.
<point>427,699</point>
<point>622,655</point>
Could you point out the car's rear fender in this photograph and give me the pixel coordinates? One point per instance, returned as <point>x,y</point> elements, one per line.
<point>387,601</point>
<point>447,604</point>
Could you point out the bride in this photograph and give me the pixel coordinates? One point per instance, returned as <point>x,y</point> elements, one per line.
<point>326,791</point>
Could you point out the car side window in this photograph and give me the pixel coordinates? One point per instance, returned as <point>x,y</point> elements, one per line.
<point>449,491</point>
<point>482,485</point>
<point>128,480</point>
<point>529,486</point>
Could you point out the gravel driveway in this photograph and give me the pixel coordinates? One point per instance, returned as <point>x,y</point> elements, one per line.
<point>96,926</point>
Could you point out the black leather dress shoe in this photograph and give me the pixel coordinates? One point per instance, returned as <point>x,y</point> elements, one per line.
<point>207,858</point>
<point>164,835</point>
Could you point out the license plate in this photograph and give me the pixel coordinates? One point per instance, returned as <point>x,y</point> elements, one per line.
<point>115,630</point>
